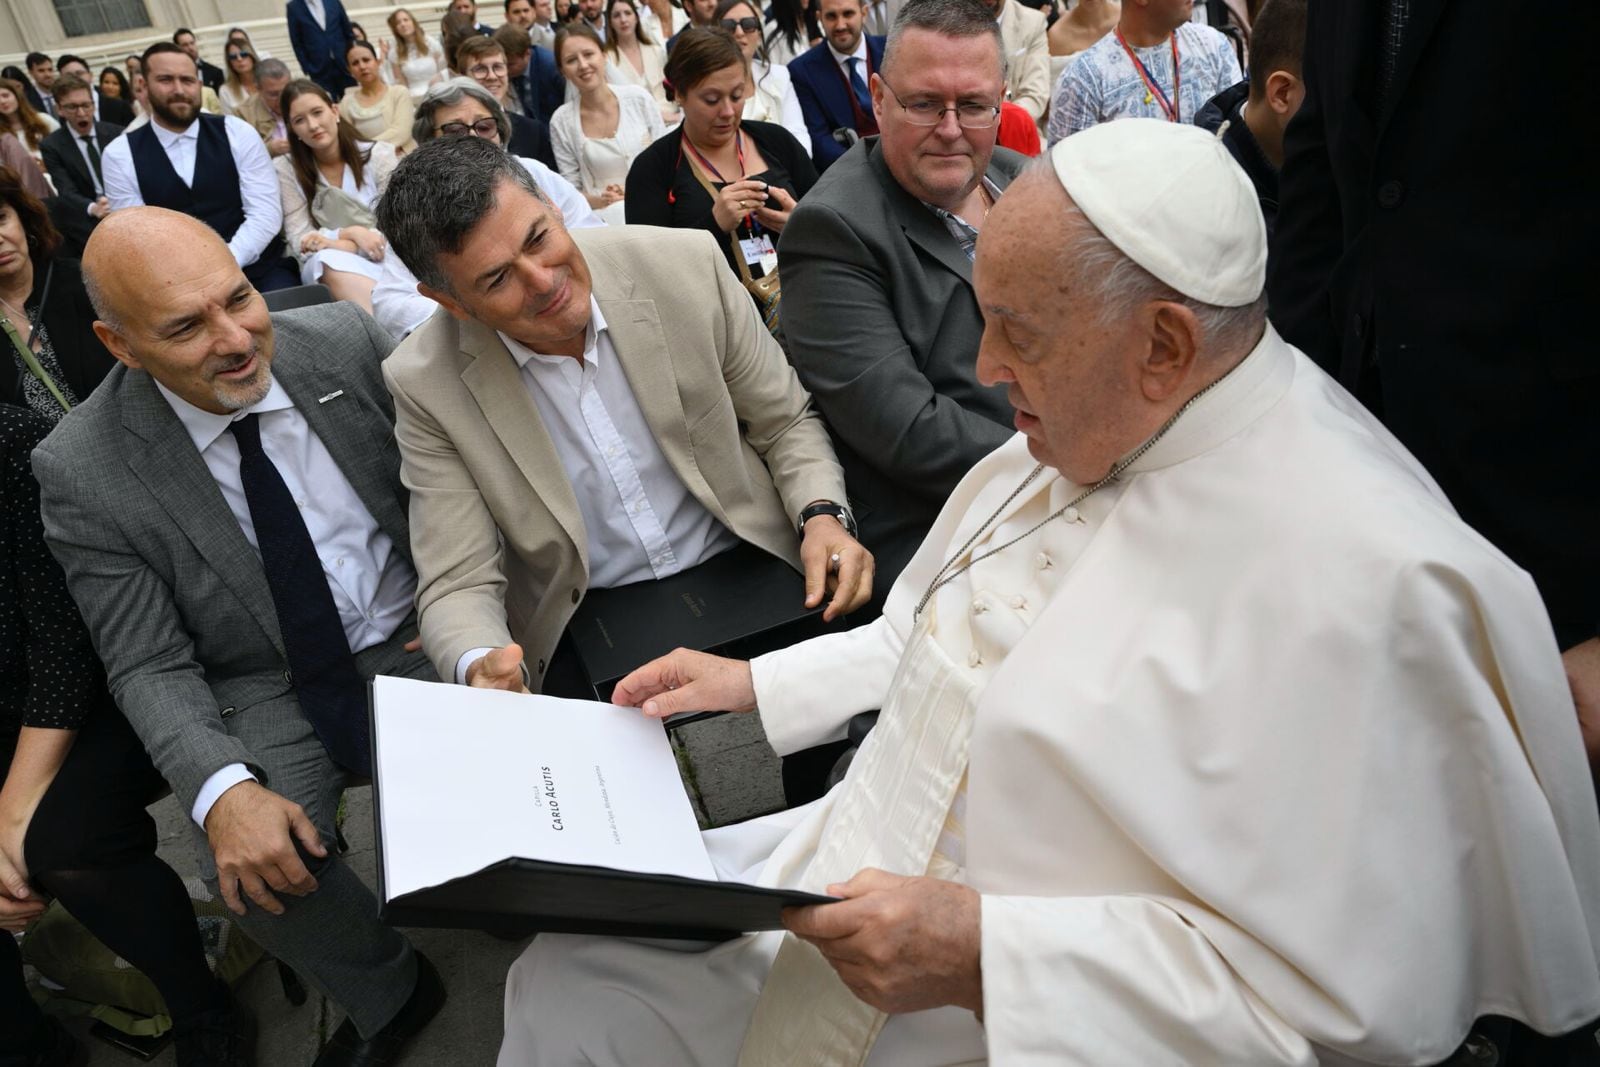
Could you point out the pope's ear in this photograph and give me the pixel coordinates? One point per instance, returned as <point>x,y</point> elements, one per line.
<point>1175,336</point>
<point>444,300</point>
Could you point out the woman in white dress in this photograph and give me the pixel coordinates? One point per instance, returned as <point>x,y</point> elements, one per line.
<point>662,19</point>
<point>597,136</point>
<point>418,61</point>
<point>791,30</point>
<point>241,83</point>
<point>636,56</point>
<point>378,111</point>
<point>330,182</point>
<point>769,95</point>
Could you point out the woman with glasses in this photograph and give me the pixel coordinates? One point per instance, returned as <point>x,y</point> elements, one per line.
<point>329,184</point>
<point>240,85</point>
<point>597,136</point>
<point>378,111</point>
<point>770,95</point>
<point>636,56</point>
<point>736,178</point>
<point>418,60</point>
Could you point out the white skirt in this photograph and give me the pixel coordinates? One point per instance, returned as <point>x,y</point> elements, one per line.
<point>338,259</point>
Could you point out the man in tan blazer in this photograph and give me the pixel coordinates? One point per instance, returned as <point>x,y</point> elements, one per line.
<point>263,111</point>
<point>1027,55</point>
<point>589,407</point>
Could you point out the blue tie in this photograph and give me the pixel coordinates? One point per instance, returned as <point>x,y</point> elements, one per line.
<point>863,97</point>
<point>331,692</point>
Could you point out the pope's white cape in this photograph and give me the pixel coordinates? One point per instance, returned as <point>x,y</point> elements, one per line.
<point>1286,771</point>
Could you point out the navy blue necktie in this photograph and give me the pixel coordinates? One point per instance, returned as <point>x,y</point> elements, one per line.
<point>330,690</point>
<point>863,97</point>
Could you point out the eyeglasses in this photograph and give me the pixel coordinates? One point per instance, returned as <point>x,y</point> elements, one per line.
<point>748,25</point>
<point>485,128</point>
<point>87,105</point>
<point>931,112</point>
<point>485,70</point>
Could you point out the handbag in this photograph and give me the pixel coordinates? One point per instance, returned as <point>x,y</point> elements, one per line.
<point>334,209</point>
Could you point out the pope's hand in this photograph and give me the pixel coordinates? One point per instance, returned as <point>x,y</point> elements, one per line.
<point>685,680</point>
<point>500,668</point>
<point>850,580</point>
<point>900,944</point>
<point>1582,662</point>
<point>252,831</point>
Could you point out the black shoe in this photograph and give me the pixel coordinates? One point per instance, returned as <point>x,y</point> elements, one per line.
<point>222,1037</point>
<point>53,1047</point>
<point>346,1048</point>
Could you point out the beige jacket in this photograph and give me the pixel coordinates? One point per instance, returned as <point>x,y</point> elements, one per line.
<point>497,538</point>
<point>1027,55</point>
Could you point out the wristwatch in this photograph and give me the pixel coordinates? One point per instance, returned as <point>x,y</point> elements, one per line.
<point>827,507</point>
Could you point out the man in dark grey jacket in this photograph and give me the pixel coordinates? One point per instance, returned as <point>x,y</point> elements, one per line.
<point>879,315</point>
<point>228,509</point>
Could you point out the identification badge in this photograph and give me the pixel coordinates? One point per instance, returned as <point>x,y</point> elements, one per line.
<point>760,250</point>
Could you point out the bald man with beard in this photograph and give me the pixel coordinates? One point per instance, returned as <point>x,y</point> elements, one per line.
<point>228,510</point>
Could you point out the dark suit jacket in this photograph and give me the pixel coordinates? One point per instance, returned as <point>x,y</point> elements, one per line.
<point>541,88</point>
<point>68,317</point>
<point>883,328</point>
<point>114,111</point>
<point>68,169</point>
<point>530,138</point>
<point>43,103</point>
<point>824,97</point>
<point>212,76</point>
<point>175,597</point>
<point>1434,250</point>
<point>321,51</point>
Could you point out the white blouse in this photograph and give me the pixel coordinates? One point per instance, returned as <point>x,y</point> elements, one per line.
<point>774,101</point>
<point>419,72</point>
<point>592,163</point>
<point>654,58</point>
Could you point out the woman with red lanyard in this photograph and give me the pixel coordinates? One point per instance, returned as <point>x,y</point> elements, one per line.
<point>737,179</point>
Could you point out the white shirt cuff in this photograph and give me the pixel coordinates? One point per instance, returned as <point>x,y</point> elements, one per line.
<point>219,783</point>
<point>89,208</point>
<point>468,658</point>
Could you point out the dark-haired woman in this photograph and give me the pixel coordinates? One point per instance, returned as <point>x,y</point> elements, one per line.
<point>50,358</point>
<point>791,29</point>
<point>737,179</point>
<point>114,83</point>
<point>378,111</point>
<point>330,182</point>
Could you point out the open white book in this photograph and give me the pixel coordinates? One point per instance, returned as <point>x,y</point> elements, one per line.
<point>493,806</point>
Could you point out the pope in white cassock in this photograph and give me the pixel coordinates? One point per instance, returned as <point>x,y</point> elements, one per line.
<point>1210,735</point>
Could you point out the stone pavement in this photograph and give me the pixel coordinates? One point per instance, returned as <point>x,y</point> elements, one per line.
<point>731,773</point>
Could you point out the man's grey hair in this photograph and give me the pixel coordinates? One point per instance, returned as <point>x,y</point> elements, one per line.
<point>272,69</point>
<point>449,94</point>
<point>102,304</point>
<point>437,196</point>
<point>1116,287</point>
<point>948,18</point>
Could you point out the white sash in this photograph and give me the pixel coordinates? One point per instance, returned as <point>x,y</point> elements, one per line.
<point>888,815</point>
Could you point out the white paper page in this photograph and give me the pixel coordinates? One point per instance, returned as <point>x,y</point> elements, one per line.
<point>469,777</point>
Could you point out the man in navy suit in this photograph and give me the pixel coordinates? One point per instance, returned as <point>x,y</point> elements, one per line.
<point>539,86</point>
<point>320,32</point>
<point>831,80</point>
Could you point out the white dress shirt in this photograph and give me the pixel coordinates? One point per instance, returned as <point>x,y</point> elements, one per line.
<point>640,522</point>
<point>258,183</point>
<point>860,53</point>
<point>372,584</point>
<point>318,12</point>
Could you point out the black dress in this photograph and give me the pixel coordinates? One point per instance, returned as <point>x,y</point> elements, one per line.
<point>664,191</point>
<point>68,321</point>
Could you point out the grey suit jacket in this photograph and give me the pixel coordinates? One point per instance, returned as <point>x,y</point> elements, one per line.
<point>498,539</point>
<point>881,323</point>
<point>175,597</point>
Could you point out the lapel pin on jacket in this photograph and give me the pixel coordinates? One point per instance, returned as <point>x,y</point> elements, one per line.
<point>333,395</point>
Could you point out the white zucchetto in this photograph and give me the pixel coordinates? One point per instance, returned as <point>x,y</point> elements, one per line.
<point>1174,201</point>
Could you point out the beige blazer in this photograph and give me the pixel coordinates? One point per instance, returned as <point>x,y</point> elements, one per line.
<point>1027,55</point>
<point>497,538</point>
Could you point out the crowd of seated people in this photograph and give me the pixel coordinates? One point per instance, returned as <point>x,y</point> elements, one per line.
<point>620,286</point>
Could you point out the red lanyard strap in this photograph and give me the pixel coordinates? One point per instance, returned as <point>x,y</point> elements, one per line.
<point>1168,107</point>
<point>738,147</point>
